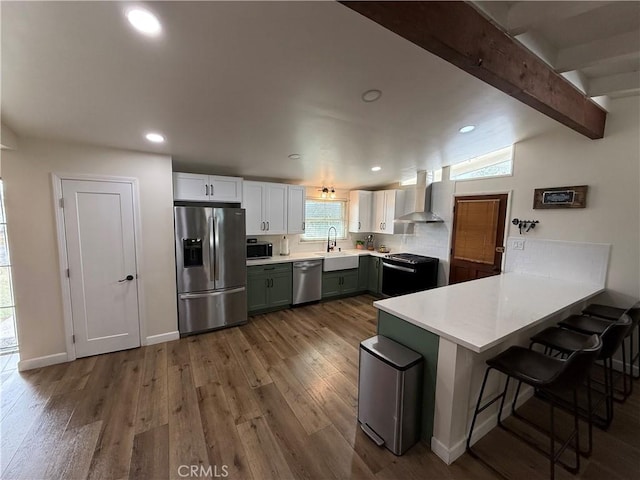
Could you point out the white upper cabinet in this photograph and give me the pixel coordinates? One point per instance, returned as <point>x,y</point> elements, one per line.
<point>387,205</point>
<point>266,208</point>
<point>295,209</point>
<point>206,188</point>
<point>360,211</point>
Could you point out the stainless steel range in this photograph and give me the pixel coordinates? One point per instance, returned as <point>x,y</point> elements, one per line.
<point>404,273</point>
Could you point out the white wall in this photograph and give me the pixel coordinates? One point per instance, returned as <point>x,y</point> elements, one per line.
<point>32,235</point>
<point>611,169</point>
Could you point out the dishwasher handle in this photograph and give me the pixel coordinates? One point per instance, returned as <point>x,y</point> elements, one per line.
<point>306,266</point>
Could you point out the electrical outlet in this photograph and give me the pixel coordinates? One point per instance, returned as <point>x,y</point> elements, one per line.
<point>518,244</point>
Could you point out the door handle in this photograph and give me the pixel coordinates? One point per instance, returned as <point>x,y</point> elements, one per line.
<point>303,226</point>
<point>359,225</point>
<point>128,278</point>
<point>191,296</point>
<point>211,189</point>
<point>206,189</point>
<point>267,226</point>
<point>261,225</point>
<point>500,249</point>
<point>271,282</point>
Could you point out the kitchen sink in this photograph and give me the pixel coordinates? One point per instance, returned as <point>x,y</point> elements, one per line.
<point>338,261</point>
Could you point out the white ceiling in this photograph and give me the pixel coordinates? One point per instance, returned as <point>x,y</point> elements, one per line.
<point>238,86</point>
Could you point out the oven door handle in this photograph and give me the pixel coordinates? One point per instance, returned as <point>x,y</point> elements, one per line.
<point>398,267</point>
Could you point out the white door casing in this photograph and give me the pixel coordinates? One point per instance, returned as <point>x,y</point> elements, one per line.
<point>100,244</point>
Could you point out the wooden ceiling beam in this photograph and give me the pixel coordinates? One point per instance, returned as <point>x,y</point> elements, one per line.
<point>459,34</point>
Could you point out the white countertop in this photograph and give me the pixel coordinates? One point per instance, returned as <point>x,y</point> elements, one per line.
<point>482,313</point>
<point>298,257</point>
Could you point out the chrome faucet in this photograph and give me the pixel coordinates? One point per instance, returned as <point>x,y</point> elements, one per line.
<point>330,246</point>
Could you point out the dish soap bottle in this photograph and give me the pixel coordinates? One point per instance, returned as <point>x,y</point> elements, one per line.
<point>284,246</point>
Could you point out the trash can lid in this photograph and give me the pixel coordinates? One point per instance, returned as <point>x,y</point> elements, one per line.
<point>391,352</point>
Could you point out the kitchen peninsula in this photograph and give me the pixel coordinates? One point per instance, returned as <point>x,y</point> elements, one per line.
<point>456,328</point>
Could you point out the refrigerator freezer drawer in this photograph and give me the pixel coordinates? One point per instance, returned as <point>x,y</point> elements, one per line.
<point>202,311</point>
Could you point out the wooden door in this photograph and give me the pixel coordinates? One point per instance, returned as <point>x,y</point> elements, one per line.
<point>100,243</point>
<point>478,237</point>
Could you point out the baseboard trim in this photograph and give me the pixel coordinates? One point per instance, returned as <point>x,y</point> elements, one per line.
<point>163,337</point>
<point>617,365</point>
<point>450,455</point>
<point>45,361</point>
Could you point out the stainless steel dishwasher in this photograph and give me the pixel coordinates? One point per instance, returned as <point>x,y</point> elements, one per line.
<point>307,281</point>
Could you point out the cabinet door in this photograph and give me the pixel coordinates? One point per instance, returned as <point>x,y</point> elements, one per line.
<point>363,273</point>
<point>190,187</point>
<point>280,289</point>
<point>374,274</point>
<point>257,288</point>
<point>295,209</point>
<point>225,189</point>
<point>379,211</point>
<point>331,284</point>
<point>349,281</point>
<point>275,208</point>
<point>252,202</point>
<point>360,210</point>
<point>389,211</point>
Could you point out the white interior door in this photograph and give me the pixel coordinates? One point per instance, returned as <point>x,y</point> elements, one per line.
<point>99,230</point>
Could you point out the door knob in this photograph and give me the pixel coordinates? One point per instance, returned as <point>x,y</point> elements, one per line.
<point>128,278</point>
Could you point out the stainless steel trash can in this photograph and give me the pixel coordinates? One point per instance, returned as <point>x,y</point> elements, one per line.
<point>390,393</point>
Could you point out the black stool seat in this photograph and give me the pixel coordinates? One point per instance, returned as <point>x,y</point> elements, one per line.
<point>531,367</point>
<point>585,324</point>
<point>604,311</point>
<point>565,341</point>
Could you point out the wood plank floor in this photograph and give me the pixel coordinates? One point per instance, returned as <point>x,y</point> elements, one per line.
<point>273,399</point>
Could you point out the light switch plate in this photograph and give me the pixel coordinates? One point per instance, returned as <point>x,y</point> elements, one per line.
<point>518,244</point>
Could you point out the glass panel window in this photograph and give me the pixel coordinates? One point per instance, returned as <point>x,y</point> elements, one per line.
<point>494,164</point>
<point>320,215</point>
<point>8,336</point>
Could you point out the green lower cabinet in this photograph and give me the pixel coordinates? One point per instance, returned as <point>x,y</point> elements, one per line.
<point>363,273</point>
<point>349,281</point>
<point>375,275</point>
<point>331,284</point>
<point>280,290</point>
<point>340,282</point>
<point>269,287</point>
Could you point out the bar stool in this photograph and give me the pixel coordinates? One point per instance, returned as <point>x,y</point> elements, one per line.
<point>549,376</point>
<point>613,313</point>
<point>567,342</point>
<point>593,324</point>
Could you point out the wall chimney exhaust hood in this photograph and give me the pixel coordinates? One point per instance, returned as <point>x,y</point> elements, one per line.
<point>422,210</point>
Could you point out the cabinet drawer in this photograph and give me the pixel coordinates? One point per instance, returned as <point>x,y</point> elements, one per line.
<point>268,269</point>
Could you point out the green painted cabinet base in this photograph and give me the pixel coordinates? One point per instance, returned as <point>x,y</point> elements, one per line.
<point>339,283</point>
<point>426,344</point>
<point>269,287</point>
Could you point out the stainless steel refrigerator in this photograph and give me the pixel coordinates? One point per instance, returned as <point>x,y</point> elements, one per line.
<point>211,269</point>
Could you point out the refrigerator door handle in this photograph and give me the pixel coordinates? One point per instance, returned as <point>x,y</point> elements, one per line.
<point>215,228</point>
<point>191,296</point>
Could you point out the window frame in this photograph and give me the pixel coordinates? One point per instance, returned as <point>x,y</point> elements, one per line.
<point>344,220</point>
<point>511,159</point>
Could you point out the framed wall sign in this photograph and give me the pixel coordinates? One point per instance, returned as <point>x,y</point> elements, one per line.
<point>560,197</point>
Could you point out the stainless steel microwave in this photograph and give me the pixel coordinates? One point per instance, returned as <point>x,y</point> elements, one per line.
<point>259,250</point>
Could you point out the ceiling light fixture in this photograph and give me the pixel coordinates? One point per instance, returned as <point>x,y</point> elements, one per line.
<point>154,137</point>
<point>325,192</point>
<point>376,169</point>
<point>144,21</point>
<point>467,128</point>
<point>333,193</point>
<point>295,156</point>
<point>371,95</point>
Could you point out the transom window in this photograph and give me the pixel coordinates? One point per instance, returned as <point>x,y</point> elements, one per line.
<point>494,164</point>
<point>320,215</point>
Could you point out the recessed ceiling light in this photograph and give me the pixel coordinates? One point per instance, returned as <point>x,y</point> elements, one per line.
<point>154,137</point>
<point>371,96</point>
<point>144,21</point>
<point>295,156</point>
<point>467,128</point>
<point>376,169</point>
